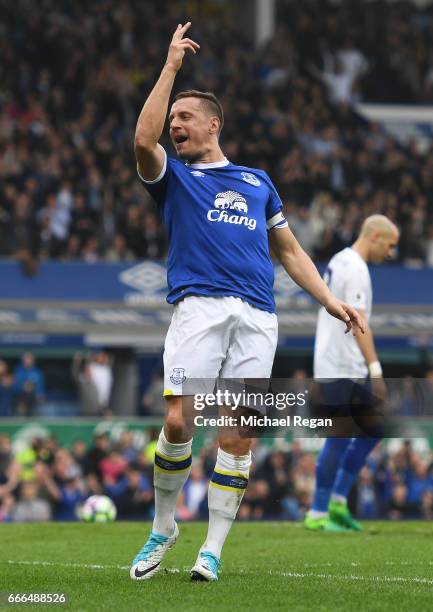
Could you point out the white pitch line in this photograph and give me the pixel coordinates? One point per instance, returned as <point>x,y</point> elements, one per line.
<point>80,565</point>
<point>350,577</point>
<point>344,577</point>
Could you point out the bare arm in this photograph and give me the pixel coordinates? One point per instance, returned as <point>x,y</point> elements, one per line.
<point>366,342</point>
<point>368,350</point>
<point>149,154</point>
<point>300,267</point>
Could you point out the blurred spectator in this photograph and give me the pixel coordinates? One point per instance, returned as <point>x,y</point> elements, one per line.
<point>7,504</point>
<point>79,450</point>
<point>29,507</point>
<point>132,494</point>
<point>304,478</point>
<point>339,82</point>
<point>351,59</point>
<point>66,498</point>
<point>119,250</point>
<point>195,491</point>
<point>87,391</point>
<point>65,468</point>
<point>366,496</point>
<point>27,457</point>
<point>399,506</point>
<point>153,237</point>
<point>90,251</point>
<point>112,468</point>
<point>94,378</point>
<point>6,457</point>
<point>96,454</point>
<point>54,219</point>
<point>6,391</point>
<point>92,485</point>
<point>61,485</point>
<point>153,402</point>
<point>427,505</point>
<point>301,224</point>
<point>418,481</point>
<point>148,454</point>
<point>429,246</point>
<point>10,469</point>
<point>275,470</point>
<point>29,386</point>
<point>404,398</point>
<point>126,446</point>
<point>101,374</point>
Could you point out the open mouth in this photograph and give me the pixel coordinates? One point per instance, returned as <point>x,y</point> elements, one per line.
<point>181,138</point>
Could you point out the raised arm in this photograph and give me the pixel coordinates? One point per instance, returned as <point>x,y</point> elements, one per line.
<point>149,154</point>
<point>300,267</point>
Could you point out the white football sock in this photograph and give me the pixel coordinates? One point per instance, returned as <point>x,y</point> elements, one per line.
<point>339,498</point>
<point>316,514</point>
<point>172,468</point>
<point>226,490</point>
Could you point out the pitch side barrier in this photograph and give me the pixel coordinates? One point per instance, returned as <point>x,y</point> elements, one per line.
<point>298,407</point>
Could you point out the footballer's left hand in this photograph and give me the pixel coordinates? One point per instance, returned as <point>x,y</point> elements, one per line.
<point>349,315</point>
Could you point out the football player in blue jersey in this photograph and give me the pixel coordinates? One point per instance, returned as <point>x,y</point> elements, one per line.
<point>219,217</point>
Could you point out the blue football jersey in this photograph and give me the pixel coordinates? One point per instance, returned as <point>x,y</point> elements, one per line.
<point>217,216</point>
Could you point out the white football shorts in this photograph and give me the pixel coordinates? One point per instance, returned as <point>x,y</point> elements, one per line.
<point>212,337</point>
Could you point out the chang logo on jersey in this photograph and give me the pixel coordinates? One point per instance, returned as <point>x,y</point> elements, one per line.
<point>231,201</point>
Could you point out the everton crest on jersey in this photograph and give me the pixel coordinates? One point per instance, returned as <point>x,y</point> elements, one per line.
<point>217,216</point>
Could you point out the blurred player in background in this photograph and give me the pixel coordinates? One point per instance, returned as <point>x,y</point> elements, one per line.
<point>220,278</point>
<point>353,364</point>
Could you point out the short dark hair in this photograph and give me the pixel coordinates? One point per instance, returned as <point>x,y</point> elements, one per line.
<point>209,101</point>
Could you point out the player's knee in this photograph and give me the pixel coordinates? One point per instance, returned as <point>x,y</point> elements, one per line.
<point>174,429</point>
<point>235,446</point>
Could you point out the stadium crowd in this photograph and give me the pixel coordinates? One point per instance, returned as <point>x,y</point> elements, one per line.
<point>24,391</point>
<point>44,481</point>
<point>75,75</point>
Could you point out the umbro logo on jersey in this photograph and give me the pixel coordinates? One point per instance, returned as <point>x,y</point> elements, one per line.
<point>231,201</point>
<point>197,173</point>
<point>250,178</point>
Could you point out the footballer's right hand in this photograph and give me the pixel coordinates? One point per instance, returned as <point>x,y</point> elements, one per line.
<point>179,46</point>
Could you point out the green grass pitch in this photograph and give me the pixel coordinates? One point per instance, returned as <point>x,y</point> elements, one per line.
<point>266,566</point>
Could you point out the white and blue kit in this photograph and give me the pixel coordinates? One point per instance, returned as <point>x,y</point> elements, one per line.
<point>220,274</point>
<point>336,354</point>
<point>338,361</point>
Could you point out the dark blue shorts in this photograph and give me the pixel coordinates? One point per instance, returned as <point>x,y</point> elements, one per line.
<point>351,399</point>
